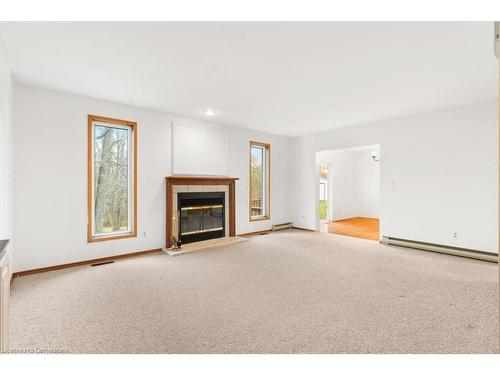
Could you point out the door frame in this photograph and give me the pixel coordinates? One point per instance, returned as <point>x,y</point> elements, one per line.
<point>496,47</point>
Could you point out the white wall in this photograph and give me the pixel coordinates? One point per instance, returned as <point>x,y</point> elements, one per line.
<point>6,151</point>
<point>367,184</point>
<point>355,184</point>
<point>438,175</point>
<point>199,152</point>
<point>50,176</point>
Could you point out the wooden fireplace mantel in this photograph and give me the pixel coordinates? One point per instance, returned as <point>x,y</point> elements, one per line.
<point>200,180</point>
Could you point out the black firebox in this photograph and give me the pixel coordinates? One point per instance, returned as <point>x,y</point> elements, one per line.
<point>201,216</point>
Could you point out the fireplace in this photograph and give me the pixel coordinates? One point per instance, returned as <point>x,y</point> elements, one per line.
<point>199,208</point>
<point>201,216</point>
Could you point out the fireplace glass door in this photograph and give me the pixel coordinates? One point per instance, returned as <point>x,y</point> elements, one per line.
<point>201,216</point>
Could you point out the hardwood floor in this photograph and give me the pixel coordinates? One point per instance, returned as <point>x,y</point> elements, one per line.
<point>361,227</point>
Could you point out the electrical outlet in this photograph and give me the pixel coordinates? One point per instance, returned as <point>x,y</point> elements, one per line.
<point>455,235</point>
<point>144,234</point>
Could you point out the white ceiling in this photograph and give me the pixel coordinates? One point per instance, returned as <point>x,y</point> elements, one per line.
<point>283,78</point>
<point>368,148</point>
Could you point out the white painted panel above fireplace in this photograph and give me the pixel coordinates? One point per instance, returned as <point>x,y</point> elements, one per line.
<point>199,152</point>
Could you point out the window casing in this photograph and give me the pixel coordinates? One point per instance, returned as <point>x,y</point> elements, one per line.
<point>259,181</point>
<point>112,179</point>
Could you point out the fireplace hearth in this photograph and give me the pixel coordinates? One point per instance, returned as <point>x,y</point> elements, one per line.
<point>201,216</point>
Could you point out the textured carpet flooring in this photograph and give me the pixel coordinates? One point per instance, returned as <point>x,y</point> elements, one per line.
<point>286,292</point>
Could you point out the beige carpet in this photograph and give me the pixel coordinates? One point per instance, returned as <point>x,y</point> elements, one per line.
<point>286,292</point>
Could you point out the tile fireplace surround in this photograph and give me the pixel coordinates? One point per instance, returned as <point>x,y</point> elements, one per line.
<point>192,184</point>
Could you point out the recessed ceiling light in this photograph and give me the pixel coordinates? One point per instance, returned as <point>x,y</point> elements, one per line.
<point>209,112</point>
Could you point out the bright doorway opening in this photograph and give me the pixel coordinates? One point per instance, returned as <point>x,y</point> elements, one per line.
<point>349,191</point>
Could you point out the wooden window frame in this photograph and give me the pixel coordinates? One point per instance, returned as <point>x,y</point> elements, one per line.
<point>90,140</point>
<point>267,187</point>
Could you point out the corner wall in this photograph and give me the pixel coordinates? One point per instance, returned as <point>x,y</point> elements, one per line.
<point>438,175</point>
<point>51,176</point>
<point>6,151</point>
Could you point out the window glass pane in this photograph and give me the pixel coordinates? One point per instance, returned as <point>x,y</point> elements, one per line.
<point>257,181</point>
<point>322,191</point>
<point>111,179</point>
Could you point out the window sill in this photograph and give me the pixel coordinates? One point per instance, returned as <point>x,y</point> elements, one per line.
<point>259,218</point>
<point>110,238</point>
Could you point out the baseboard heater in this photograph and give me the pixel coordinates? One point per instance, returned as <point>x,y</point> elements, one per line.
<point>276,227</point>
<point>458,251</point>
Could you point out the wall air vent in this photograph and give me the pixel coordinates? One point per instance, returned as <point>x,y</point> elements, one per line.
<point>102,263</point>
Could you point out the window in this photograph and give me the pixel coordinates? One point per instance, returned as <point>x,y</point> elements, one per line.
<point>260,156</point>
<point>322,191</point>
<point>112,179</point>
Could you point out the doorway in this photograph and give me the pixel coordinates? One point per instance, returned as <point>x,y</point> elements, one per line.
<point>349,191</point>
